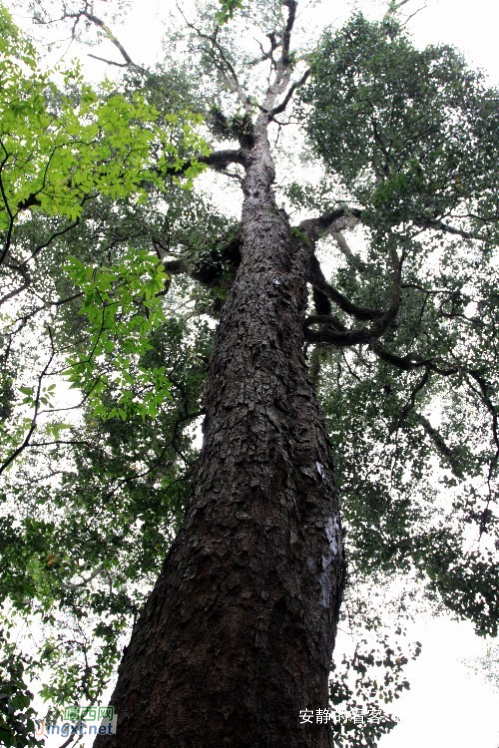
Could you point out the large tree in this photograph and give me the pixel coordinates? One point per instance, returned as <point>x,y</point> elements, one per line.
<point>384,328</point>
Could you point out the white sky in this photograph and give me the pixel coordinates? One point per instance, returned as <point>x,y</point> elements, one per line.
<point>448,705</point>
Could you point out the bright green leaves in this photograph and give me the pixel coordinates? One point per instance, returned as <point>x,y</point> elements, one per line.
<point>16,51</point>
<point>32,397</point>
<point>58,149</point>
<point>123,306</point>
<point>227,10</point>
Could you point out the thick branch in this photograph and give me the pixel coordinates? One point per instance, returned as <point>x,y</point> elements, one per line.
<point>410,361</point>
<point>332,222</point>
<point>338,338</point>
<point>428,223</point>
<point>219,160</point>
<point>286,40</point>
<point>318,281</point>
<point>412,401</point>
<point>325,319</point>
<point>394,7</point>
<point>353,260</point>
<point>443,449</point>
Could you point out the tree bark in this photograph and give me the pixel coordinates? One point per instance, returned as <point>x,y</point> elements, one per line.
<point>237,635</point>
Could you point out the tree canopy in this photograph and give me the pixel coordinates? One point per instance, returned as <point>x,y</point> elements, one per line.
<point>114,268</point>
<point>411,135</point>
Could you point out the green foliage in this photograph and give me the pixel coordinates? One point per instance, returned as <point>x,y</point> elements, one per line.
<point>409,134</point>
<point>62,151</point>
<point>400,126</point>
<point>59,149</point>
<point>488,665</point>
<point>112,278</point>
<point>17,716</point>
<point>91,504</point>
<point>227,10</point>
<point>123,305</point>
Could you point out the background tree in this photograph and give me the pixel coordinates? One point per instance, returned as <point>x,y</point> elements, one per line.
<point>401,324</point>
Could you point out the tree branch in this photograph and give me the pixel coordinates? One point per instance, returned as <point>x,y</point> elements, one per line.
<point>10,229</point>
<point>332,222</point>
<point>286,37</point>
<point>297,84</point>
<point>325,319</point>
<point>443,449</point>
<point>485,398</point>
<point>410,361</point>
<point>353,260</point>
<point>86,13</point>
<point>389,316</point>
<point>429,223</point>
<point>412,401</point>
<point>219,160</point>
<point>108,62</point>
<point>338,338</point>
<point>318,280</point>
<point>221,63</point>
<point>36,411</point>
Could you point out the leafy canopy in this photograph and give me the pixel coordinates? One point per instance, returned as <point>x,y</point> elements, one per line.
<point>410,132</point>
<point>113,275</point>
<point>75,161</point>
<point>410,135</point>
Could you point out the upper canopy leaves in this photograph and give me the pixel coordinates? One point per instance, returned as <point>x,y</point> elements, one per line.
<point>59,149</point>
<point>411,132</point>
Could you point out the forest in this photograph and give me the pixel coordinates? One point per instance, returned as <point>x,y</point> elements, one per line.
<point>248,370</point>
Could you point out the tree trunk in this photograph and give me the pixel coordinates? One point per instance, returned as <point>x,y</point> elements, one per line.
<point>237,635</point>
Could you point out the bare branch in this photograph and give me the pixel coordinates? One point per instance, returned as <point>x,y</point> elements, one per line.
<point>286,40</point>
<point>5,200</point>
<point>394,7</point>
<point>326,319</point>
<point>353,259</point>
<point>36,411</point>
<point>221,62</point>
<point>86,13</point>
<point>282,106</point>
<point>443,449</point>
<point>338,338</point>
<point>109,62</point>
<point>70,740</point>
<point>219,160</point>
<point>429,223</point>
<point>411,361</point>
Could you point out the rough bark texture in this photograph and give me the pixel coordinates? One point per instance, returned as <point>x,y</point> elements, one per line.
<point>237,635</point>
